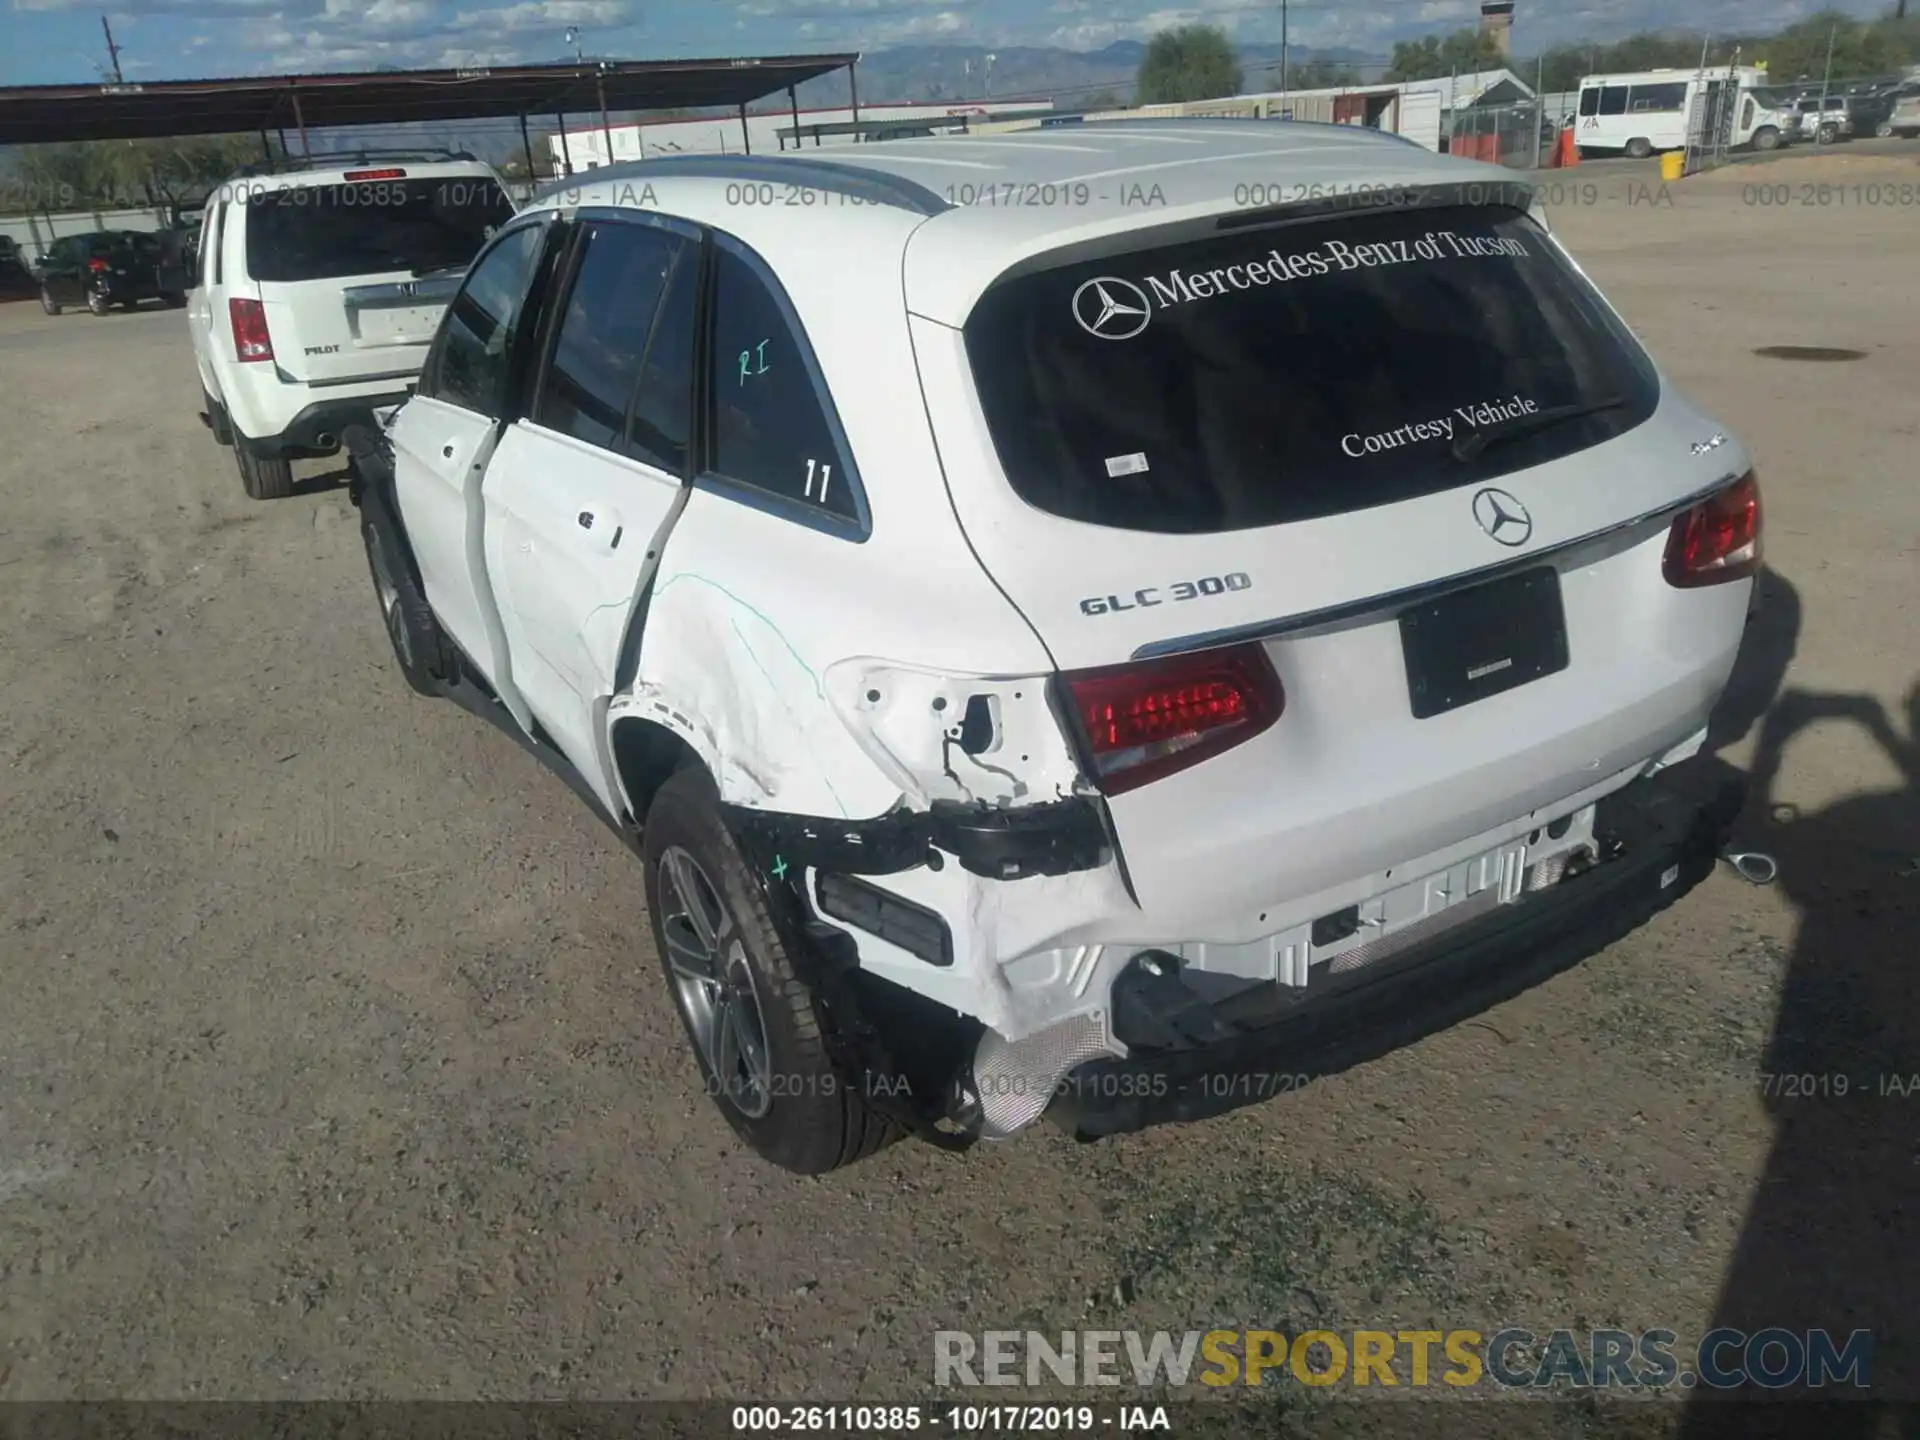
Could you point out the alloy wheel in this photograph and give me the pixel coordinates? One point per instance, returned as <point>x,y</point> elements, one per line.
<point>714,983</point>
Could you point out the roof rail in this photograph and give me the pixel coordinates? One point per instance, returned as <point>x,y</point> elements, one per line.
<point>287,164</point>
<point>873,185</point>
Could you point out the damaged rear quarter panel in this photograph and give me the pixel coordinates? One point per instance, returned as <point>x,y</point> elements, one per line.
<point>756,624</point>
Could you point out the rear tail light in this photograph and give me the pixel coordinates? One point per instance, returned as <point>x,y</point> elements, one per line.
<point>1144,722</point>
<point>97,265</point>
<point>375,175</point>
<point>1718,539</point>
<point>250,338</point>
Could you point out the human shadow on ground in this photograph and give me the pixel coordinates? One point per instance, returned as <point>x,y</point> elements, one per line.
<point>1831,1240</point>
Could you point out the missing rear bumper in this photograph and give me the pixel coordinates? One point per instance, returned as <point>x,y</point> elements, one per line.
<point>1189,1059</point>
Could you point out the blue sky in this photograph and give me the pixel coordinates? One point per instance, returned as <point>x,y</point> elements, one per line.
<point>54,41</point>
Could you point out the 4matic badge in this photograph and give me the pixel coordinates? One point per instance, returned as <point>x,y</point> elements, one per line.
<point>1160,595</point>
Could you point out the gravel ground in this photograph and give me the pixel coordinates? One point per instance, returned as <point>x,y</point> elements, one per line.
<point>334,1061</point>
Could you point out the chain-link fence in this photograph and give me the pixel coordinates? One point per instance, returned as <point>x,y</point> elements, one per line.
<point>1521,135</point>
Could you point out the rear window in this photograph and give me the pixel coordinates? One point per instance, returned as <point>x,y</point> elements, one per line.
<point>1293,372</point>
<point>371,227</point>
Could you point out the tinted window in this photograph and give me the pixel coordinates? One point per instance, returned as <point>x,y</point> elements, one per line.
<point>663,405</point>
<point>326,232</point>
<point>1659,97</point>
<point>1589,102</point>
<point>603,334</point>
<point>1267,377</point>
<point>209,243</point>
<point>1613,100</point>
<point>769,429</point>
<point>470,364</point>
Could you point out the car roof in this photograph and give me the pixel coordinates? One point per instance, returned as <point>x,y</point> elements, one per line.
<point>966,209</point>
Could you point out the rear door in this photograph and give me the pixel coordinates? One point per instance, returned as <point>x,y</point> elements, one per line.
<point>1293,428</point>
<point>444,435</point>
<point>581,491</point>
<point>62,270</point>
<point>356,273</point>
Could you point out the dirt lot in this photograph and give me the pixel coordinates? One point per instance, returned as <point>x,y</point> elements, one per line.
<point>334,1060</point>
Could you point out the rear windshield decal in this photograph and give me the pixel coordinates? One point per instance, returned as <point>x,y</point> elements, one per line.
<point>1134,464</point>
<point>1440,427</point>
<point>1114,308</point>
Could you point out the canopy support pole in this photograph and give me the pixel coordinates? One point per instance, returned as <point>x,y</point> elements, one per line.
<point>606,126</point>
<point>300,120</point>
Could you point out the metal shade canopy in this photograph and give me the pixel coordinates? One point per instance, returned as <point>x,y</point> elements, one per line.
<point>35,114</point>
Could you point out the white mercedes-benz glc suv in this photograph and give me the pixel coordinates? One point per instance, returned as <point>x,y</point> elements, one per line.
<point>1063,639</point>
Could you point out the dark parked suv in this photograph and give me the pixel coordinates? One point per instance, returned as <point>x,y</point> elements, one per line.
<point>109,268</point>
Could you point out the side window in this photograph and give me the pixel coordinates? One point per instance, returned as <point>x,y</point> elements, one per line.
<point>603,332</point>
<point>663,406</point>
<point>1589,102</point>
<point>1666,97</point>
<point>471,364</point>
<point>210,245</point>
<point>1746,114</point>
<point>769,429</point>
<point>1613,100</point>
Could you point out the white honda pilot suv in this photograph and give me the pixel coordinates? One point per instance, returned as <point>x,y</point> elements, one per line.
<point>1063,640</point>
<point>322,280</point>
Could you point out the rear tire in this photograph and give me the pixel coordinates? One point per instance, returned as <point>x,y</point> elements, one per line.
<point>411,629</point>
<point>1639,148</point>
<point>98,303</point>
<point>264,477</point>
<point>1883,130</point>
<point>47,302</point>
<point>1826,134</point>
<point>218,424</point>
<point>757,1035</point>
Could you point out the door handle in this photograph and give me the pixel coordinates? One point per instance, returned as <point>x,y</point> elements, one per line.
<point>602,526</point>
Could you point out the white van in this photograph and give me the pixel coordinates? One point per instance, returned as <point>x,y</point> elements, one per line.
<point>1647,111</point>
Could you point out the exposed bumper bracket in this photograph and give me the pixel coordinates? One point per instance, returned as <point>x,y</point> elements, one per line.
<point>1060,837</point>
<point>1657,838</point>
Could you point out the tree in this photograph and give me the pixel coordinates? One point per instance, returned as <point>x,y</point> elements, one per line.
<point>128,174</point>
<point>1434,58</point>
<point>1100,100</point>
<point>1189,62</point>
<point>1321,75</point>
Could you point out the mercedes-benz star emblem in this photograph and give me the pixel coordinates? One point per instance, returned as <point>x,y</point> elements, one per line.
<point>1504,518</point>
<point>1111,308</point>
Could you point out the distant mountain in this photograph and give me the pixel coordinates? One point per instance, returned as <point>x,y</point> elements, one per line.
<point>904,73</point>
